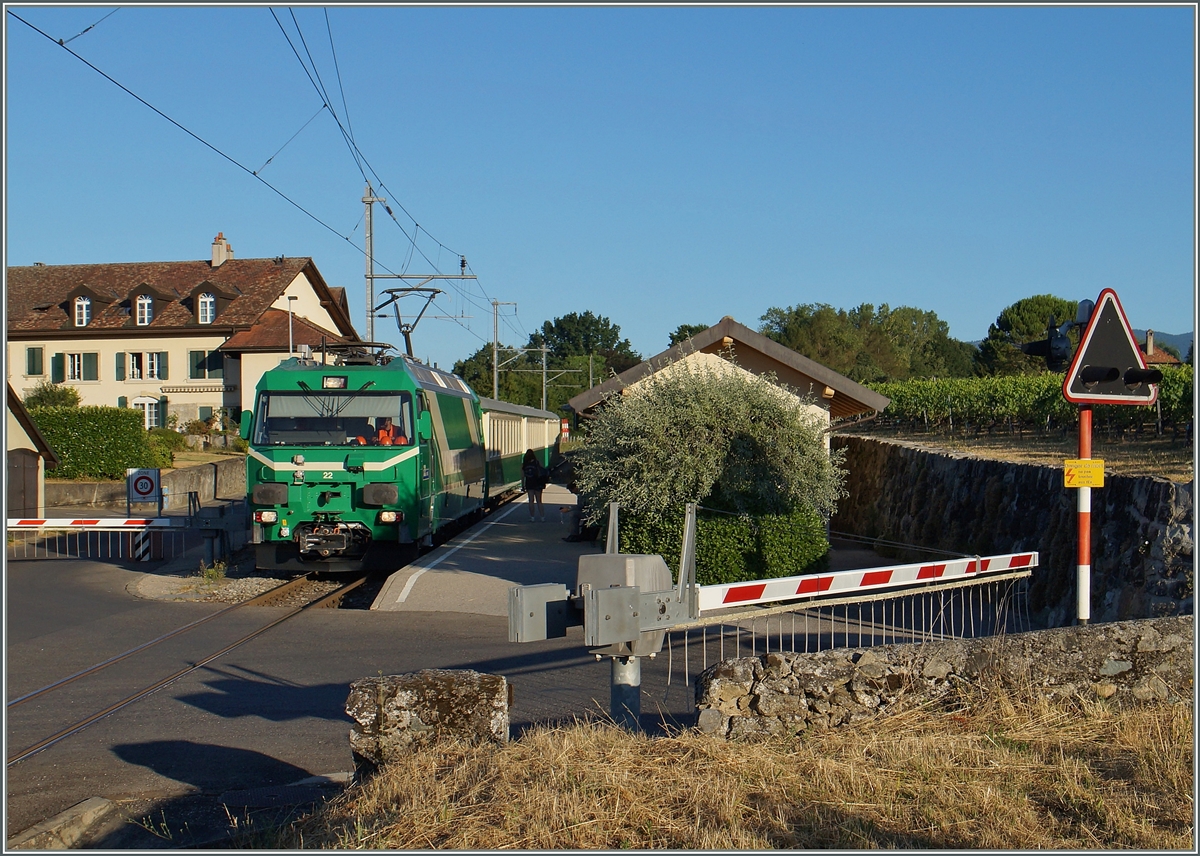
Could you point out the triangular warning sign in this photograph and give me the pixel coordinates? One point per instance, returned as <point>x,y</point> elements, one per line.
<point>1106,366</point>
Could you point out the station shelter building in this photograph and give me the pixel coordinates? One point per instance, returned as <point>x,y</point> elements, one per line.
<point>730,346</point>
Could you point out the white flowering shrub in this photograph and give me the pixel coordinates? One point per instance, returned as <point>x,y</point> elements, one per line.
<point>726,438</point>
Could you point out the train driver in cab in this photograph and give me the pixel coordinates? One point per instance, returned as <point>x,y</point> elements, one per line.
<point>389,434</point>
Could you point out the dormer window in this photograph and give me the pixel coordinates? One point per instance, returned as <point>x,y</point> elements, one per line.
<point>207,309</point>
<point>145,309</point>
<point>83,311</point>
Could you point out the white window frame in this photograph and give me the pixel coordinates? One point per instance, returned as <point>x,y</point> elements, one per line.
<point>135,365</point>
<point>150,407</point>
<point>83,311</point>
<point>152,366</point>
<point>74,367</point>
<point>208,309</point>
<point>145,309</point>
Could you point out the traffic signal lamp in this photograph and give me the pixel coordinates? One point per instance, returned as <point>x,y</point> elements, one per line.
<point>1136,377</point>
<point>1092,375</point>
<point>1056,347</point>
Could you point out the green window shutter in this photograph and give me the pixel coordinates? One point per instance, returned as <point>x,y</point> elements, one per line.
<point>91,366</point>
<point>58,368</point>
<point>196,365</point>
<point>120,370</point>
<point>33,361</point>
<point>122,401</point>
<point>162,369</point>
<point>162,412</point>
<point>216,364</point>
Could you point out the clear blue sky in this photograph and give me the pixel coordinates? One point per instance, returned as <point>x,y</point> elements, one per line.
<point>657,166</point>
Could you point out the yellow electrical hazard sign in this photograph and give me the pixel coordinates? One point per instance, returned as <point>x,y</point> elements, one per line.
<point>1085,472</point>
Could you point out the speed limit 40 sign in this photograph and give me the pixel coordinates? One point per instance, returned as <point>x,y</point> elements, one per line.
<point>144,485</point>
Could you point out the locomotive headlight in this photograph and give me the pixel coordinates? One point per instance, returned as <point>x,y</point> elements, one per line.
<point>266,516</point>
<point>388,516</point>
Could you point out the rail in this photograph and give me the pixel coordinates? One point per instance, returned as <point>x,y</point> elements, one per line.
<point>327,600</point>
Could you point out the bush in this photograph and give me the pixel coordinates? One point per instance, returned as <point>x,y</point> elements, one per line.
<point>732,549</point>
<point>96,442</point>
<point>196,427</point>
<point>731,440</point>
<point>164,443</point>
<point>172,440</point>
<point>735,442</point>
<point>47,394</point>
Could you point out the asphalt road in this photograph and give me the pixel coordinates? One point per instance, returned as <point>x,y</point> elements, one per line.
<point>269,713</point>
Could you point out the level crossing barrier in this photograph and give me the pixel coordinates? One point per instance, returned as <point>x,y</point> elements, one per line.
<point>628,604</point>
<point>974,606</point>
<point>125,538</point>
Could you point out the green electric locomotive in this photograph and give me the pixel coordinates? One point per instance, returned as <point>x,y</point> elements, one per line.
<point>353,465</point>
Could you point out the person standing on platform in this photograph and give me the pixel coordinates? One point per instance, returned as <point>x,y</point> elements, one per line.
<point>534,476</point>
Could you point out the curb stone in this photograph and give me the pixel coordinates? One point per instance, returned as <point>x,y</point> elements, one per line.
<point>65,829</point>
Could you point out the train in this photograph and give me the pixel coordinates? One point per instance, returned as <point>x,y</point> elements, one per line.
<point>357,463</point>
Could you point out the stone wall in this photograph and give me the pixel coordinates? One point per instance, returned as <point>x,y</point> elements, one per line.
<point>1130,662</point>
<point>1142,530</point>
<point>224,479</point>
<point>393,714</point>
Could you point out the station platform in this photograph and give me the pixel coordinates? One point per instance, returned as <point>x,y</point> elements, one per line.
<point>473,572</point>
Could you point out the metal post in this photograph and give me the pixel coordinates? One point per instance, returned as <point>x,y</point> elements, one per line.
<point>1084,580</point>
<point>613,543</point>
<point>368,240</point>
<point>543,377</point>
<point>625,700</point>
<point>291,340</point>
<point>496,349</point>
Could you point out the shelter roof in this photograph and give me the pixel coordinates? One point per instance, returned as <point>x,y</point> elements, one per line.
<point>755,353</point>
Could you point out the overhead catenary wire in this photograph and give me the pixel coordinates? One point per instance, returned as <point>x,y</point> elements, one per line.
<point>86,29</point>
<point>188,131</point>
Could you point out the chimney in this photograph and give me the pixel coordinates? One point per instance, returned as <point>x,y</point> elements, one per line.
<point>221,251</point>
<point>1149,342</point>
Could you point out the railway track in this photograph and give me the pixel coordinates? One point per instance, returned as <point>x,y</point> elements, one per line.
<point>287,594</point>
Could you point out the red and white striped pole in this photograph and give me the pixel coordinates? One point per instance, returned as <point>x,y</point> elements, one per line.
<point>1084,571</point>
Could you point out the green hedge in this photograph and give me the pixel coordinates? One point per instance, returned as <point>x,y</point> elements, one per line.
<point>731,549</point>
<point>97,442</point>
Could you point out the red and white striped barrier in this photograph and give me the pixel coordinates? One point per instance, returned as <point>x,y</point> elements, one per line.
<point>119,524</point>
<point>861,580</point>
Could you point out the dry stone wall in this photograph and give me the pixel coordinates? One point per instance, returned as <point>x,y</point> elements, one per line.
<point>1129,662</point>
<point>394,714</point>
<point>1142,528</point>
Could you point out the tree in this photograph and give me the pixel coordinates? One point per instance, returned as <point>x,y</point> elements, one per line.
<point>685,331</point>
<point>729,439</point>
<point>1023,321</point>
<point>1189,356</point>
<point>47,394</point>
<point>868,344</point>
<point>576,335</point>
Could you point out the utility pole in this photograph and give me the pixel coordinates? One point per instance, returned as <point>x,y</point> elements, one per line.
<point>496,304</point>
<point>543,378</point>
<point>368,199</point>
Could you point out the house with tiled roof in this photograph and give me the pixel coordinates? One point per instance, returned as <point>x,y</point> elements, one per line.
<point>1156,356</point>
<point>730,346</point>
<point>173,339</point>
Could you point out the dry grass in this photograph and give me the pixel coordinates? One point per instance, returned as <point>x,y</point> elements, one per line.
<point>989,772</point>
<point>1145,456</point>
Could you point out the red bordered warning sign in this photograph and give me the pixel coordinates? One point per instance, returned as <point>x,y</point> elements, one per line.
<point>1109,367</point>
<point>144,485</point>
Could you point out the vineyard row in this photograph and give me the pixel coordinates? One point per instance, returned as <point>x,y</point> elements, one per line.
<point>1026,401</point>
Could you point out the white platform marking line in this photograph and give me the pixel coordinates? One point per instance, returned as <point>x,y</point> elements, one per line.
<point>411,581</point>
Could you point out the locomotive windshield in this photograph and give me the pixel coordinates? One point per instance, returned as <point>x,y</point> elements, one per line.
<point>333,418</point>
